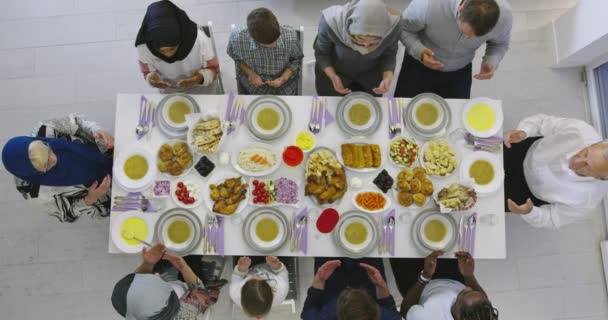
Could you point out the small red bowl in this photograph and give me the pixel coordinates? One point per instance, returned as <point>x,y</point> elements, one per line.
<point>328,220</point>
<point>293,156</point>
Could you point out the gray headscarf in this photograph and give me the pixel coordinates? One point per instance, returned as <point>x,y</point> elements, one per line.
<point>360,17</point>
<point>145,297</point>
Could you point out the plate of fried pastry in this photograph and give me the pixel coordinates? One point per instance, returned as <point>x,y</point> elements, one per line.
<point>360,156</point>
<point>413,187</point>
<point>175,158</point>
<point>326,181</point>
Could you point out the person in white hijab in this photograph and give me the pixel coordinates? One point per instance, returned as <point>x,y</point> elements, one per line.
<point>356,48</point>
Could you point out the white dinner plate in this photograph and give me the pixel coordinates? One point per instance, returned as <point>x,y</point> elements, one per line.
<point>127,183</point>
<point>499,172</point>
<point>118,219</point>
<point>496,123</point>
<point>234,160</point>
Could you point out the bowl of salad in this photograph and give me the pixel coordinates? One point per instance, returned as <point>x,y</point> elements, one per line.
<point>403,152</point>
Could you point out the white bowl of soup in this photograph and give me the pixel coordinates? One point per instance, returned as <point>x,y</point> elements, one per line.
<point>485,170</point>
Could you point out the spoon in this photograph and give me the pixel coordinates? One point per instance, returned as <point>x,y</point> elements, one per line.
<point>130,236</point>
<point>302,222</point>
<point>391,234</point>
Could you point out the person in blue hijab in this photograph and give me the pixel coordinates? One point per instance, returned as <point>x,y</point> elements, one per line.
<point>66,165</point>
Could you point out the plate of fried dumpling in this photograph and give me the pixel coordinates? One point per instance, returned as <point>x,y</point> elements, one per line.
<point>326,181</point>
<point>413,187</point>
<point>175,158</point>
<point>360,156</point>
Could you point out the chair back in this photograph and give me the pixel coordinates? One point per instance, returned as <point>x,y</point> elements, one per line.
<point>208,30</point>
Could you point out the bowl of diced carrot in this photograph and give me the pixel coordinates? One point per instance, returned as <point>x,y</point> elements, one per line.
<point>371,201</point>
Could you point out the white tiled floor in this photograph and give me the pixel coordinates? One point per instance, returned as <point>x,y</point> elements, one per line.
<point>60,56</point>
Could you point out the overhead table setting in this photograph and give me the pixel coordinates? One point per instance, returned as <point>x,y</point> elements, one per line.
<point>353,176</point>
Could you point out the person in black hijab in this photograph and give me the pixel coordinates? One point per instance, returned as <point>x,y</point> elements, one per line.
<point>173,53</point>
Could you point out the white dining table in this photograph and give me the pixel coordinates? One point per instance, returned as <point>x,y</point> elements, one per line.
<point>490,238</point>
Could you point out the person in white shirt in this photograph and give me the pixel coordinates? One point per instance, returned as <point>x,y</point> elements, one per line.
<point>259,288</point>
<point>445,289</point>
<point>174,55</point>
<point>555,170</point>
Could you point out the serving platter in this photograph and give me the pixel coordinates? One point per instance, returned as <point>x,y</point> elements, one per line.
<point>359,141</point>
<point>234,160</point>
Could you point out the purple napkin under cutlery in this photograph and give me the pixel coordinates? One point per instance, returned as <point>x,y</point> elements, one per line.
<point>133,201</point>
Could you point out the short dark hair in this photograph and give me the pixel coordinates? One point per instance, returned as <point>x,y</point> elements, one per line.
<point>482,15</point>
<point>263,26</point>
<point>479,311</point>
<point>357,304</point>
<point>256,297</point>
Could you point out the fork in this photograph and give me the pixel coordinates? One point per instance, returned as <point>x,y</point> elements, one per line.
<point>216,233</point>
<point>399,114</point>
<point>237,113</point>
<point>313,115</point>
<point>142,127</point>
<point>209,230</point>
<point>382,247</point>
<point>472,223</point>
<point>391,234</point>
<point>301,224</point>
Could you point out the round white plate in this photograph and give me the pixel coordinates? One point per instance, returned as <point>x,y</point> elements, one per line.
<point>217,180</point>
<point>300,194</point>
<point>190,138</point>
<point>499,172</point>
<point>416,225</point>
<point>164,235</point>
<point>440,111</point>
<point>312,198</point>
<point>193,221</point>
<point>353,250</point>
<point>497,125</point>
<point>358,141</point>
<point>127,183</point>
<point>186,170</point>
<point>167,105</point>
<point>198,197</point>
<point>234,159</point>
<point>275,103</point>
<point>388,153</point>
<point>432,244</point>
<point>117,222</point>
<point>250,225</point>
<point>423,164</point>
<point>372,112</point>
<point>387,203</point>
<point>437,130</point>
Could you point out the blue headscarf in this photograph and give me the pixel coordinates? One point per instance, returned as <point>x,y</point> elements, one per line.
<point>77,163</point>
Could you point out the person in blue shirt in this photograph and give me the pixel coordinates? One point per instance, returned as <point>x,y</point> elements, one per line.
<point>349,289</point>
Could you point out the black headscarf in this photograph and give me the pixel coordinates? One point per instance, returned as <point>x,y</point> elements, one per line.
<point>166,25</point>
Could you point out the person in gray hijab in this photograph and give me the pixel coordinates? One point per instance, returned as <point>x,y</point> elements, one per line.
<point>356,48</point>
<point>146,296</point>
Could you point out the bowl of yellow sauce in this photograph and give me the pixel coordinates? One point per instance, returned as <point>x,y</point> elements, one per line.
<point>482,117</point>
<point>175,109</point>
<point>134,168</point>
<point>266,230</point>
<point>484,170</point>
<point>427,114</point>
<point>305,141</point>
<point>359,114</point>
<point>268,119</point>
<point>436,231</point>
<point>355,234</point>
<point>128,228</point>
<point>178,232</point>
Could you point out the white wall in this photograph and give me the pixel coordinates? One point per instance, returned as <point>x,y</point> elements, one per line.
<point>581,34</point>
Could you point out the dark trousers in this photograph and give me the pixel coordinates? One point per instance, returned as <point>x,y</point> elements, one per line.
<point>516,187</point>
<point>415,78</point>
<point>350,275</point>
<point>407,271</point>
<point>325,87</point>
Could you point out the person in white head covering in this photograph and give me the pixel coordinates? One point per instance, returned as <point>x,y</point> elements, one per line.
<point>356,48</point>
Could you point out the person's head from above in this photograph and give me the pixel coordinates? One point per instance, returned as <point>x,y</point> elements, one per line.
<point>163,27</point>
<point>26,156</point>
<point>370,21</point>
<point>256,298</point>
<point>591,161</point>
<point>477,18</point>
<point>263,27</point>
<point>473,305</point>
<point>356,304</point>
<point>145,296</point>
